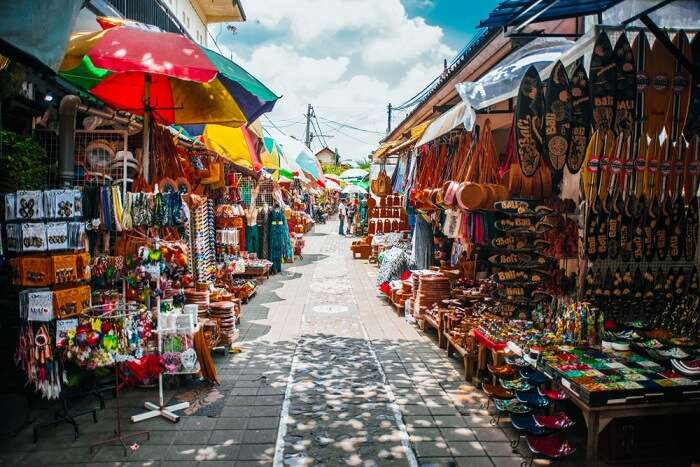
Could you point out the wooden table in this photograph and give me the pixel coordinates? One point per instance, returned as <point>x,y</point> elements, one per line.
<point>436,323</point>
<point>598,417</point>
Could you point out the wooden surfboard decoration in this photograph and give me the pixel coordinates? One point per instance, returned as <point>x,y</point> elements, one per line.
<point>529,137</point>
<point>602,79</point>
<point>692,171</point>
<point>625,86</point>
<point>580,119</point>
<point>674,206</point>
<point>625,95</point>
<point>557,118</point>
<point>659,102</point>
<point>636,202</point>
<point>692,123</point>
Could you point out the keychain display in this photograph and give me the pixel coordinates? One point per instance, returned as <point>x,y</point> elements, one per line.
<point>101,341</point>
<point>63,204</point>
<point>29,205</point>
<point>36,305</point>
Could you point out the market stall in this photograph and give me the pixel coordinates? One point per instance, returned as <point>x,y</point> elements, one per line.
<point>553,245</point>
<point>138,265</point>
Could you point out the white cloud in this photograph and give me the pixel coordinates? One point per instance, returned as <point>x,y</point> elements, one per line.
<point>406,41</point>
<point>277,65</point>
<point>309,20</point>
<point>348,58</point>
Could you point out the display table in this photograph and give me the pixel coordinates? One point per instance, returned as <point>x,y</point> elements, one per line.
<point>610,385</point>
<point>597,418</point>
<point>483,340</point>
<point>435,320</point>
<point>262,272</point>
<point>484,344</point>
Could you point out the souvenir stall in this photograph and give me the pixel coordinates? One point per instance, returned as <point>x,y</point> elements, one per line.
<point>556,252</point>
<point>121,268</point>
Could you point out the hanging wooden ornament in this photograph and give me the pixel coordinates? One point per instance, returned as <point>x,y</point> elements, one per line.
<point>557,119</point>
<point>580,119</point>
<point>529,122</point>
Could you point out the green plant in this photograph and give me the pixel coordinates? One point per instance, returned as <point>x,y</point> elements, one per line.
<point>332,169</point>
<point>365,164</point>
<point>23,163</point>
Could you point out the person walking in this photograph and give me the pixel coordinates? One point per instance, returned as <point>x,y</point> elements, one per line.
<point>342,216</point>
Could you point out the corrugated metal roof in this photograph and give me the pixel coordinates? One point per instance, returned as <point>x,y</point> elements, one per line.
<point>514,12</point>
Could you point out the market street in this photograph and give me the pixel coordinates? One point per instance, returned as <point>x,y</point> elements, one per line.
<point>355,366</point>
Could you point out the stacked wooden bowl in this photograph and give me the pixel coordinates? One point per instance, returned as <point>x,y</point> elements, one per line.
<point>225,315</point>
<point>432,288</point>
<point>199,298</point>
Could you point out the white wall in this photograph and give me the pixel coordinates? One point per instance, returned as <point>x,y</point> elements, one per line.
<point>188,16</point>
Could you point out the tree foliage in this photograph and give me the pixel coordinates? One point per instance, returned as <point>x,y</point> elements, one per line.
<point>24,164</point>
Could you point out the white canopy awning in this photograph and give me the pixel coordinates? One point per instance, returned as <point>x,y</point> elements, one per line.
<point>503,81</point>
<point>460,114</point>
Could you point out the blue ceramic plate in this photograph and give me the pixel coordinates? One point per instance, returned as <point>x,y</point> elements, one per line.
<point>532,398</point>
<point>533,376</point>
<point>526,423</point>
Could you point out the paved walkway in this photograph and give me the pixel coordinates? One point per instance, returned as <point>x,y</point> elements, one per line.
<point>328,375</point>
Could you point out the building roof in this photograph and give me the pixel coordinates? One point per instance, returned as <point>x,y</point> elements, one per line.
<point>222,11</point>
<point>515,12</point>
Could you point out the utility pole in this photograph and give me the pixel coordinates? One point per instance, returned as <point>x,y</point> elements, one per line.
<point>307,136</point>
<point>388,124</point>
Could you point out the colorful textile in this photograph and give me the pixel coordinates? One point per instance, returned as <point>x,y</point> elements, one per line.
<point>279,235</point>
<point>252,237</point>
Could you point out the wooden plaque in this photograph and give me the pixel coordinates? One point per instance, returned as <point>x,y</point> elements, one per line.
<point>529,137</point>
<point>602,79</point>
<point>580,119</point>
<point>557,118</point>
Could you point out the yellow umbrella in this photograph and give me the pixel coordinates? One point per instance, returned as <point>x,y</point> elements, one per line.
<point>234,144</point>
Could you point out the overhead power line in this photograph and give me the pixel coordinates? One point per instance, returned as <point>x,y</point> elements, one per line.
<point>351,127</point>
<point>273,125</point>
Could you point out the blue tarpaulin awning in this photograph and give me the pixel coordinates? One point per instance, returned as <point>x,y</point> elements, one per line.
<point>37,33</point>
<point>515,12</point>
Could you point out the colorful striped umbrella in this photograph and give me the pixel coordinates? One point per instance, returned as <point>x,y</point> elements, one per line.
<point>143,70</point>
<point>297,151</point>
<point>271,156</point>
<point>136,67</point>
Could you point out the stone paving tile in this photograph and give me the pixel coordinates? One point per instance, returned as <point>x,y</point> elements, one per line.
<point>498,449</point>
<point>490,434</point>
<point>431,448</point>
<point>226,437</point>
<point>477,462</point>
<point>256,452</point>
<point>436,462</point>
<point>466,448</point>
<point>199,452</point>
<point>425,434</point>
<point>449,421</point>
<point>237,411</point>
<point>231,423</point>
<point>197,423</point>
<point>457,434</point>
<point>259,436</point>
<point>255,423</point>
<point>513,461</point>
<point>198,437</point>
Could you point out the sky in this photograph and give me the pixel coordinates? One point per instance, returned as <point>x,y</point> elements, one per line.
<point>347,58</point>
